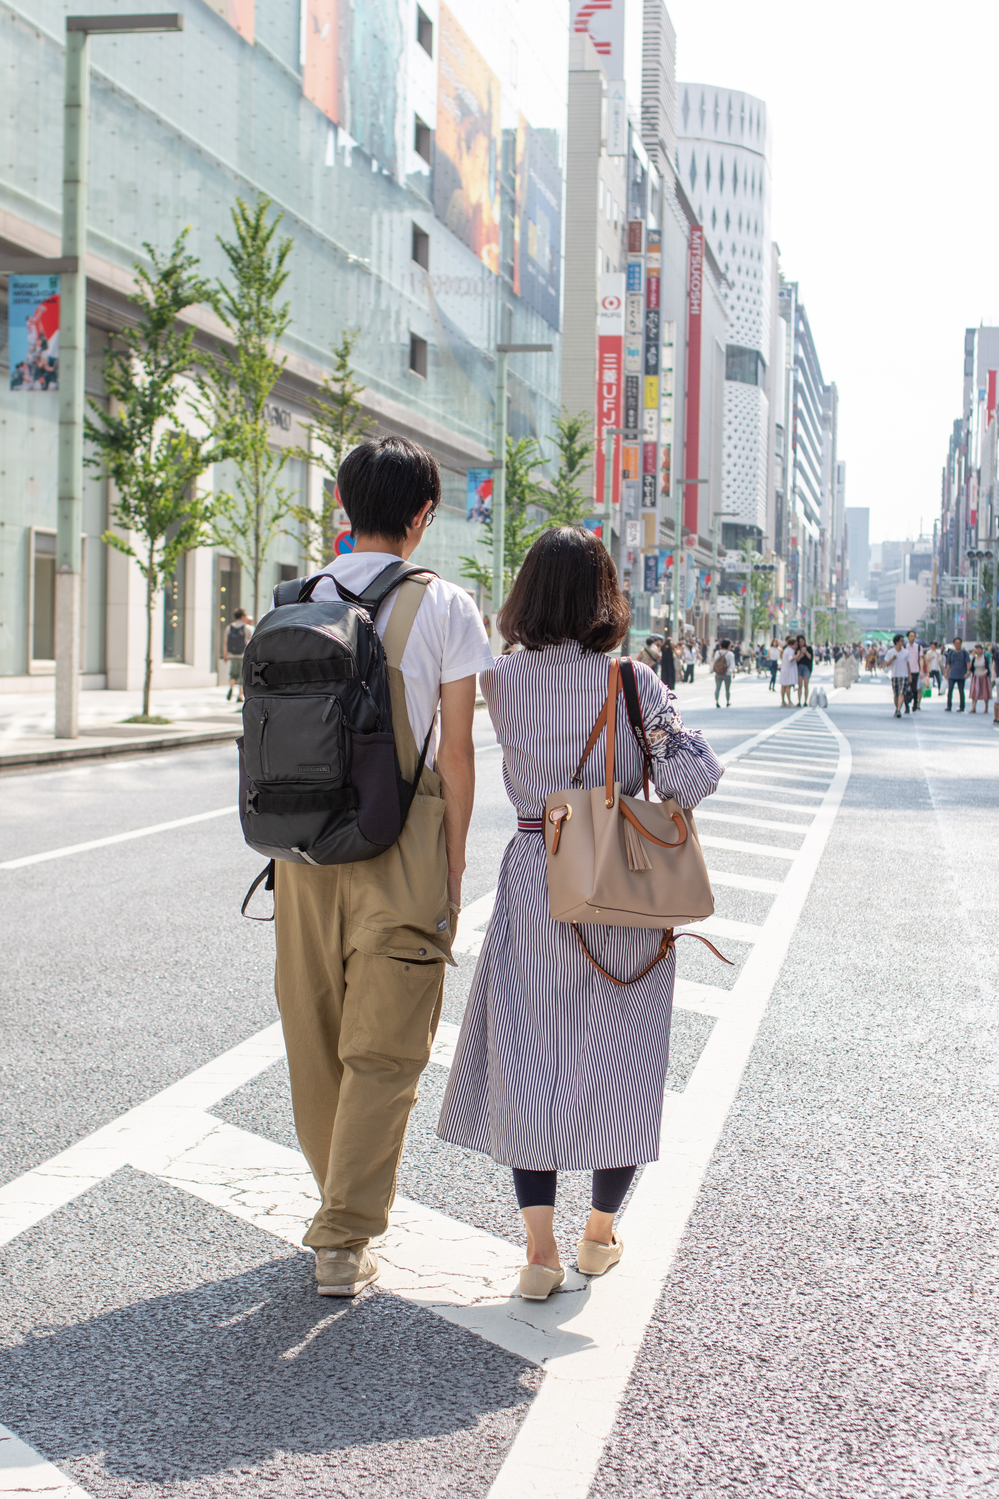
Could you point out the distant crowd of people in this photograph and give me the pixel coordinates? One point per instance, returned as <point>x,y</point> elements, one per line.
<point>916,668</point>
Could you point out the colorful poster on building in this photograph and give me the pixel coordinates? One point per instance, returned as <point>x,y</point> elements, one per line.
<point>692,445</point>
<point>238,13</point>
<point>467,144</point>
<point>33,312</point>
<point>479,494</point>
<point>538,250</point>
<point>610,379</point>
<point>321,62</point>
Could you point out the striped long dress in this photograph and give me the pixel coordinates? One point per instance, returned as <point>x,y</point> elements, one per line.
<point>555,1068</point>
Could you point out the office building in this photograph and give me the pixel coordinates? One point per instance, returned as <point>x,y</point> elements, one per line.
<point>858,531</point>
<point>417,155</point>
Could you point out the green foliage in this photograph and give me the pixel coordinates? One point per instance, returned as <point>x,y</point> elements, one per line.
<point>142,443</point>
<point>520,531</point>
<point>339,425</point>
<point>986,612</point>
<point>250,516</point>
<point>565,503</point>
<point>763,591</point>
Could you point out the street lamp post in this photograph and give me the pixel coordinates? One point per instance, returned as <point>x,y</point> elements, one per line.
<point>678,488</point>
<point>499,468</point>
<point>72,347</point>
<point>716,519</point>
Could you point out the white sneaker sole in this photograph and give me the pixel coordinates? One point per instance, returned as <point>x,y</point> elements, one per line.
<point>348,1290</point>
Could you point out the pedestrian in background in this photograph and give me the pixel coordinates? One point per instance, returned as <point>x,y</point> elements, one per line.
<point>956,670</point>
<point>651,652</point>
<point>804,656</point>
<point>667,665</point>
<point>980,674</point>
<point>995,684</point>
<point>723,667</point>
<point>788,671</point>
<point>688,662</point>
<point>933,660</point>
<point>236,639</point>
<point>556,1067</point>
<point>914,656</point>
<point>897,664</point>
<point>773,661</point>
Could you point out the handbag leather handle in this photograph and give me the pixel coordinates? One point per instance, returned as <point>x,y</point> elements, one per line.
<point>613,687</point>
<point>681,828</point>
<point>665,946</point>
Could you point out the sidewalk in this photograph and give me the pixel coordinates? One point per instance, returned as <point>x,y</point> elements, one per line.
<point>198,717</point>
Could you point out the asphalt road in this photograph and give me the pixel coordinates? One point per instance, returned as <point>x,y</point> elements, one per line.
<point>812,1304</point>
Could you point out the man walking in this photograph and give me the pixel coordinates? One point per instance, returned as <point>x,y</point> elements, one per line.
<point>723,667</point>
<point>897,662</point>
<point>914,656</point>
<point>361,948</point>
<point>956,670</point>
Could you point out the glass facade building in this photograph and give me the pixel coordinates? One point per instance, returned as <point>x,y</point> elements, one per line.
<point>416,153</point>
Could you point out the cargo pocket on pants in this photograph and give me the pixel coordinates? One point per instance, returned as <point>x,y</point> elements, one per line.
<point>397,903</point>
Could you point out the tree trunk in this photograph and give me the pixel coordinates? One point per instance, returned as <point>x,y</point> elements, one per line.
<point>148,680</point>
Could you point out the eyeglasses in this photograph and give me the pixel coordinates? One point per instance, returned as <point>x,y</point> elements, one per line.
<point>429,520</point>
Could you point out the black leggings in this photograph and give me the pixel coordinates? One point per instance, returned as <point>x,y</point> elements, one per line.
<point>536,1189</point>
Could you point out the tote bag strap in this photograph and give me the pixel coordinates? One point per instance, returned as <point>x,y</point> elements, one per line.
<point>665,947</point>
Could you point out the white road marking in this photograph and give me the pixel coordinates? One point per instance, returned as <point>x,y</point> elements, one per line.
<point>704,999</point>
<point>751,822</point>
<point>795,791</point>
<point>756,801</point>
<point>738,846</point>
<point>744,882</point>
<point>768,772</point>
<point>557,1450</point>
<point>82,848</point>
<point>721,926</point>
<point>25,1471</point>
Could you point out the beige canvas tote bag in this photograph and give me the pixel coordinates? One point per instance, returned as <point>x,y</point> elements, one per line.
<point>615,860</point>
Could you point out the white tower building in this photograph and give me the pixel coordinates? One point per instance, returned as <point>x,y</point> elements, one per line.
<point>723,158</point>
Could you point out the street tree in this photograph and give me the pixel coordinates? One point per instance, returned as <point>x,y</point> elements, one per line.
<point>339,424</point>
<point>565,503</point>
<point>155,440</point>
<point>524,496</point>
<point>253,513</point>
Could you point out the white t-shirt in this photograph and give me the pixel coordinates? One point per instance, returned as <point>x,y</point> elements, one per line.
<point>898,661</point>
<point>447,642</point>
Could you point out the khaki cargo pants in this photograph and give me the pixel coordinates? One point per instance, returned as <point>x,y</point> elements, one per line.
<point>361,953</point>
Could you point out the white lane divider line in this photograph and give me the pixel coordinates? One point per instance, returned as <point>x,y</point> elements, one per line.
<point>751,822</point>
<point>744,882</point>
<point>23,1471</point>
<point>768,772</point>
<point>756,801</point>
<point>558,1448</point>
<point>740,846</point>
<point>731,783</point>
<point>82,848</point>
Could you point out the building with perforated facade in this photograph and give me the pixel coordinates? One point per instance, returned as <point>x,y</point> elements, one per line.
<point>723,160</point>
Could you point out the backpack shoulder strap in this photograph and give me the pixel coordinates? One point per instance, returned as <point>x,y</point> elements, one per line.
<point>391,577</point>
<point>403,616</point>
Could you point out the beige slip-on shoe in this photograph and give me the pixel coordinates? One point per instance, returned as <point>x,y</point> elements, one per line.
<point>537,1282</point>
<point>596,1259</point>
<point>342,1272</point>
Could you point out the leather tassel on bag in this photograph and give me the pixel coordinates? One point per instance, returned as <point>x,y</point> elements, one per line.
<point>638,859</point>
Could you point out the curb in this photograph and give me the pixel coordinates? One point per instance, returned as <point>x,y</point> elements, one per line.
<point>76,752</point>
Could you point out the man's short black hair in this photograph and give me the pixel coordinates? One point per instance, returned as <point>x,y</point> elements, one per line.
<point>384,485</point>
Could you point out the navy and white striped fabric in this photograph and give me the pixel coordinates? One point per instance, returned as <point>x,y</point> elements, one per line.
<point>555,1068</point>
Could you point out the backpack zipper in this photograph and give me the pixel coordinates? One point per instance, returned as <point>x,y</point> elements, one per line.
<point>264,764</point>
<point>328,709</point>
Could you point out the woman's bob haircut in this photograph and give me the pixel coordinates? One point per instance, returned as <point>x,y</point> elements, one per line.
<point>566,590</point>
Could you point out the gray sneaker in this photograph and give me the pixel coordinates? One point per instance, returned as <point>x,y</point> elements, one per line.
<point>341,1272</point>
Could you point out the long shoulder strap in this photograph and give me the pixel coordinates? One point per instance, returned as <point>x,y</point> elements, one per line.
<point>391,577</point>
<point>403,616</point>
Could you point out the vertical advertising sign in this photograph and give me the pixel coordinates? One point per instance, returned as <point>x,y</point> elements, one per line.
<point>479,494</point>
<point>467,146</point>
<point>33,311</point>
<point>321,56</point>
<point>538,241</point>
<point>617,118</point>
<point>610,378</point>
<point>692,436</point>
<point>650,398</point>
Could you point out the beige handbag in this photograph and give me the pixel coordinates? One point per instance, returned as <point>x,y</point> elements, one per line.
<point>615,860</point>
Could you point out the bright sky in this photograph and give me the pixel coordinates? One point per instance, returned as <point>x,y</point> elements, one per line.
<point>885,207</point>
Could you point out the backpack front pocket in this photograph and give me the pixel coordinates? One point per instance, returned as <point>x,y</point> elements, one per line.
<point>294,739</point>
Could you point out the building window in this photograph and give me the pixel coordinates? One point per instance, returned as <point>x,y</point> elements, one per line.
<point>418,355</point>
<point>421,247</point>
<point>43,596</point>
<point>425,31</point>
<point>174,606</point>
<point>747,366</point>
<point>229,595</point>
<point>423,139</point>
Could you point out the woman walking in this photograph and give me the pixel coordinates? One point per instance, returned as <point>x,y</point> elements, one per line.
<point>980,673</point>
<point>557,1068</point>
<point>788,671</point>
<point>804,656</point>
<point>667,666</point>
<point>773,661</point>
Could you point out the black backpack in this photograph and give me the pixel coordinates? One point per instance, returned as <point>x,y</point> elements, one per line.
<point>235,640</point>
<point>319,778</point>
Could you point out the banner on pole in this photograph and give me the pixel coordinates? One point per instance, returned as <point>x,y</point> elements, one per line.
<point>479,494</point>
<point>33,310</point>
